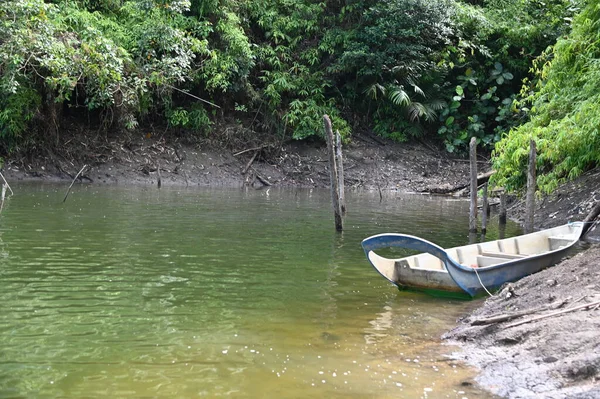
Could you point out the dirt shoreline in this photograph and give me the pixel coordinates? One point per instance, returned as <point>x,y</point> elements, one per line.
<point>556,357</point>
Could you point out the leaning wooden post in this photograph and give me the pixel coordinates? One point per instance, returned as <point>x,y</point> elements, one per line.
<point>485,209</point>
<point>473,209</point>
<point>5,182</point>
<point>3,196</point>
<point>73,182</point>
<point>340,165</point>
<point>530,199</point>
<point>333,173</point>
<point>502,213</point>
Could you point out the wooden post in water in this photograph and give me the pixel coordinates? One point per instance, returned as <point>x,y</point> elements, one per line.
<point>334,174</point>
<point>473,209</point>
<point>3,196</point>
<point>340,164</point>
<point>530,199</point>
<point>502,215</point>
<point>158,181</point>
<point>484,209</point>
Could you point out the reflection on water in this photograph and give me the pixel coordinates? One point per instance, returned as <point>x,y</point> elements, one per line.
<point>138,292</point>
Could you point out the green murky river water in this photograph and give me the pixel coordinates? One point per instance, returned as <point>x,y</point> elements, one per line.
<point>179,293</point>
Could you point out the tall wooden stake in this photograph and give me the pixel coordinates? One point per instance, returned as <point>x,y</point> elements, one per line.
<point>502,215</point>
<point>485,209</point>
<point>340,164</point>
<point>530,199</point>
<point>158,179</point>
<point>3,196</point>
<point>334,174</point>
<point>473,209</point>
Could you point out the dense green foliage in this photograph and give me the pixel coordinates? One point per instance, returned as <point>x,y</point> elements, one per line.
<point>446,69</point>
<point>565,111</point>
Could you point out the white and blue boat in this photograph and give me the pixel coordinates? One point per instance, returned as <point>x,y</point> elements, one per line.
<point>471,269</point>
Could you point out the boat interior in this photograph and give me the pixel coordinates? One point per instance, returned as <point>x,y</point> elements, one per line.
<point>493,252</point>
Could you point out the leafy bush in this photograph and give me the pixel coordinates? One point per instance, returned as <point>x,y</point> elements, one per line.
<point>565,111</point>
<point>491,55</point>
<point>403,68</point>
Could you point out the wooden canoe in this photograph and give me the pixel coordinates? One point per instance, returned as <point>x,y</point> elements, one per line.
<point>471,268</point>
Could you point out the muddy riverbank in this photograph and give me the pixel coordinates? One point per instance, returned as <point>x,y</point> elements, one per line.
<point>231,159</point>
<point>555,357</point>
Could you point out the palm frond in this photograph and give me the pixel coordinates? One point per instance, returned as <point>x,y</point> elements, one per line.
<point>374,90</point>
<point>400,97</point>
<point>418,90</point>
<point>437,105</point>
<point>417,110</point>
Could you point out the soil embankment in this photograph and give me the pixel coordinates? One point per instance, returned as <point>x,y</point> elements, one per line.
<point>554,357</point>
<point>234,160</point>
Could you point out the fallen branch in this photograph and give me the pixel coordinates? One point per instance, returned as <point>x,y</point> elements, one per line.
<point>73,182</point>
<point>499,318</point>
<point>261,179</point>
<point>588,305</point>
<point>193,96</point>
<point>447,190</point>
<point>504,317</point>
<point>250,162</point>
<point>251,149</point>
<point>590,218</point>
<point>5,182</point>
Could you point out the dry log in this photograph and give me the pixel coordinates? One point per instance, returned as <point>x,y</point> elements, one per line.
<point>499,318</point>
<point>482,178</point>
<point>251,149</point>
<point>544,316</point>
<point>261,179</point>
<point>250,162</point>
<point>590,218</point>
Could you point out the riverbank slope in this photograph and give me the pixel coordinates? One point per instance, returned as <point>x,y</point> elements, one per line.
<point>553,357</point>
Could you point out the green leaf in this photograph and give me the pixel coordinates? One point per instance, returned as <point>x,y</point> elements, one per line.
<point>449,121</point>
<point>460,91</point>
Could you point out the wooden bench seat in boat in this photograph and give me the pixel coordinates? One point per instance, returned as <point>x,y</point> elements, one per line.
<point>558,242</point>
<point>428,261</point>
<point>503,255</point>
<point>490,259</point>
